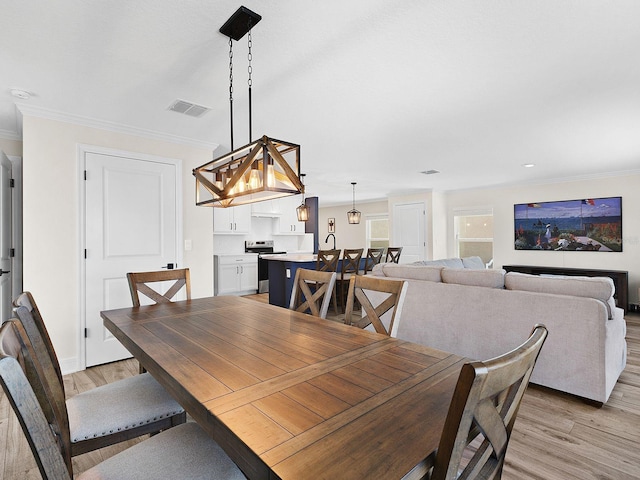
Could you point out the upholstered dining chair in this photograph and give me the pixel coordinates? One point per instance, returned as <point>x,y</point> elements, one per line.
<point>374,257</point>
<point>350,266</point>
<point>393,254</point>
<point>105,415</point>
<point>184,451</point>
<point>312,291</point>
<point>327,261</point>
<point>482,412</point>
<point>377,296</point>
<point>139,282</point>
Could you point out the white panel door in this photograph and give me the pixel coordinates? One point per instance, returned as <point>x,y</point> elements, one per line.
<point>408,231</point>
<point>6,238</point>
<point>131,223</point>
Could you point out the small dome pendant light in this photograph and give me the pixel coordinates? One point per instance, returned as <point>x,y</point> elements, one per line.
<point>353,215</point>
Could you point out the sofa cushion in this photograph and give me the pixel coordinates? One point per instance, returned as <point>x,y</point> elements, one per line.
<point>600,288</point>
<point>414,272</point>
<point>474,263</point>
<point>478,278</point>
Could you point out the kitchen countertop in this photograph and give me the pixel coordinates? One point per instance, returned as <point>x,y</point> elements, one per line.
<point>292,257</point>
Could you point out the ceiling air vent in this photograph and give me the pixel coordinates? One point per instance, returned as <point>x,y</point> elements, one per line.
<point>430,172</point>
<point>188,108</point>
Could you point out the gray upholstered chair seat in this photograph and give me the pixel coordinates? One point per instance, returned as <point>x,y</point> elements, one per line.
<point>119,406</point>
<point>184,451</point>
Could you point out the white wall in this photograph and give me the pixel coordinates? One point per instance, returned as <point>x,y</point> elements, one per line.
<point>52,250</point>
<point>11,147</point>
<point>502,201</point>
<point>347,235</point>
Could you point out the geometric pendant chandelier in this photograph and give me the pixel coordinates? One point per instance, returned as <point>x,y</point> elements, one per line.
<point>264,169</point>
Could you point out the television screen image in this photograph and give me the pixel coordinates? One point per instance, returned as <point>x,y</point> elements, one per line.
<point>584,225</point>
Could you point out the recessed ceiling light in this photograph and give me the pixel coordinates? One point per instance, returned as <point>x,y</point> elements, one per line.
<point>22,94</point>
<point>528,165</point>
<point>430,172</point>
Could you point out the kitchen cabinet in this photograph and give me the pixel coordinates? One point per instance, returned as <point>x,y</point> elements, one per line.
<point>232,220</point>
<point>287,223</point>
<point>236,274</point>
<point>266,208</point>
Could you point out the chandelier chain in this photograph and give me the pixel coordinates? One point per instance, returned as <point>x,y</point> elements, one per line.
<point>231,88</point>
<point>249,57</point>
<point>230,69</point>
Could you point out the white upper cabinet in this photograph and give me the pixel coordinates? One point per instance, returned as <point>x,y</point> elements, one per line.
<point>232,220</point>
<point>287,223</point>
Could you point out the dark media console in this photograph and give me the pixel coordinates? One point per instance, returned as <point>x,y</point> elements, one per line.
<point>620,278</point>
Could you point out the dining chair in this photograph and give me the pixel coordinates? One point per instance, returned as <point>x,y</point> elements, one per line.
<point>105,415</point>
<point>139,283</point>
<point>483,411</point>
<point>377,296</point>
<point>312,291</point>
<point>327,261</point>
<point>393,254</point>
<point>184,451</point>
<point>374,256</point>
<point>350,266</point>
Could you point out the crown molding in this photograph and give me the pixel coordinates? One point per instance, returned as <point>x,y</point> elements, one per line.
<point>10,135</point>
<point>49,114</point>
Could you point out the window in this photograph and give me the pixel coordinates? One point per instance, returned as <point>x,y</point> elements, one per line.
<point>474,233</point>
<point>377,231</point>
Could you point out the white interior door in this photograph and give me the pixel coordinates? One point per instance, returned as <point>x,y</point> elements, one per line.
<point>131,225</point>
<point>408,231</point>
<point>6,237</point>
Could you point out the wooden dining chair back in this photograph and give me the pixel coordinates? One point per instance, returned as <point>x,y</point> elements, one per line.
<point>102,416</point>
<point>327,260</point>
<point>377,296</point>
<point>483,411</point>
<point>374,257</point>
<point>40,335</point>
<point>312,291</point>
<point>15,345</point>
<point>185,451</point>
<point>350,266</point>
<point>393,254</point>
<point>139,283</point>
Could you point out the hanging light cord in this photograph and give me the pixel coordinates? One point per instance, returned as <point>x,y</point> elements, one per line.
<point>249,82</point>
<point>354,195</point>
<point>231,87</point>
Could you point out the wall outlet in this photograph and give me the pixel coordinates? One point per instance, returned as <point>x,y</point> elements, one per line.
<point>288,273</point>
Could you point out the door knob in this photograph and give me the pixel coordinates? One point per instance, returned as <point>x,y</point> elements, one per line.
<point>4,271</point>
<point>169,266</point>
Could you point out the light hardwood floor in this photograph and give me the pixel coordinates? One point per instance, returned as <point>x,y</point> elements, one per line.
<point>556,436</point>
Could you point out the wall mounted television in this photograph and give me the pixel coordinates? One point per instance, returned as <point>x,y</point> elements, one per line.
<point>584,225</point>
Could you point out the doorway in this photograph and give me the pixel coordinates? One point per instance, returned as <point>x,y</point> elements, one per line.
<point>132,222</point>
<point>408,231</point>
<point>6,237</point>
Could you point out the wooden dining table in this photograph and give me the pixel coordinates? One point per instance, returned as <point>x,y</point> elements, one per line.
<point>291,396</point>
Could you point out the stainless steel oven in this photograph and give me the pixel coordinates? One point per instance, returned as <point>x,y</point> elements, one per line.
<point>261,247</point>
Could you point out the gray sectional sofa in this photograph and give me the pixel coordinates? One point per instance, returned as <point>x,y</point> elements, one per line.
<point>481,313</point>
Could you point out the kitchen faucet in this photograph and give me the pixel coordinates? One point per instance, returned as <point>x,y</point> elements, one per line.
<point>334,240</point>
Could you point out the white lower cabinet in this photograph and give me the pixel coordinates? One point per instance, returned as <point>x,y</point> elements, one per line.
<point>236,274</point>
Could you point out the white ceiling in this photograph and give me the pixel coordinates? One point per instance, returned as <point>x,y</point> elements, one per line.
<point>374,91</point>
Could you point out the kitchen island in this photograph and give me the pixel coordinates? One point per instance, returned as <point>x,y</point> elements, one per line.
<point>282,272</point>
